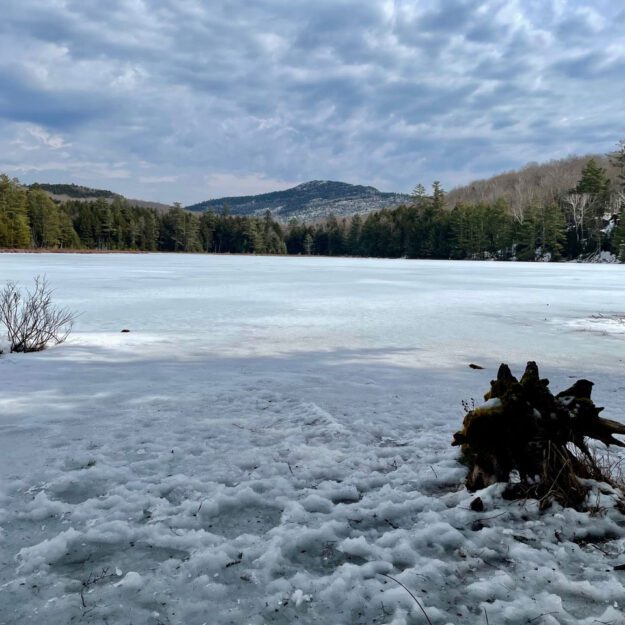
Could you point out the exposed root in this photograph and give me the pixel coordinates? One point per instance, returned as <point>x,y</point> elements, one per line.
<point>524,428</point>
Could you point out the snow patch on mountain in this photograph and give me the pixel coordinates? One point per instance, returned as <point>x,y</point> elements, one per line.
<point>311,200</point>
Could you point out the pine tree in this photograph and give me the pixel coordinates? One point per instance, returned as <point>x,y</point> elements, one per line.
<point>438,196</point>
<point>552,230</point>
<point>308,244</point>
<point>419,195</point>
<point>68,239</point>
<point>207,230</point>
<point>353,235</point>
<point>618,240</point>
<point>180,230</point>
<point>84,221</point>
<point>542,233</point>
<point>335,236</point>
<point>105,228</point>
<point>14,226</point>
<point>594,179</point>
<point>526,237</point>
<point>192,233</point>
<point>44,219</point>
<point>593,189</point>
<point>253,233</point>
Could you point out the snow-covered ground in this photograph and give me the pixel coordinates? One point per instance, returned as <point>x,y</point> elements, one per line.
<point>272,438</point>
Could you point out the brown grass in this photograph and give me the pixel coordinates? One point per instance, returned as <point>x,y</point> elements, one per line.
<point>56,250</point>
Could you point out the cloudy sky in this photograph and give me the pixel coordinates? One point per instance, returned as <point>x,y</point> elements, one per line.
<point>183,100</point>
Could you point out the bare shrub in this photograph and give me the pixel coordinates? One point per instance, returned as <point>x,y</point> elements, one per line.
<point>31,319</point>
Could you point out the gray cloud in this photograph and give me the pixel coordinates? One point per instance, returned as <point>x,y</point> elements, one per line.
<point>189,99</point>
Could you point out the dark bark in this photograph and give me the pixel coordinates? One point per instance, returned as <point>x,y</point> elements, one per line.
<point>523,427</point>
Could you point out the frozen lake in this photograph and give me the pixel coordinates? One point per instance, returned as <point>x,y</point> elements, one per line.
<point>274,433</point>
<point>435,312</point>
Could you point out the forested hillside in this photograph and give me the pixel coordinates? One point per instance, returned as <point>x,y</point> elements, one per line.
<point>75,191</point>
<point>539,213</point>
<point>536,183</point>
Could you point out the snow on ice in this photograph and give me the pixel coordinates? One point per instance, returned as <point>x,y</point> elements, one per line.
<point>270,443</point>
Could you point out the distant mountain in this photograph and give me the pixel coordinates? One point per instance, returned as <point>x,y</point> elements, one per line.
<point>75,191</point>
<point>310,201</point>
<point>64,192</point>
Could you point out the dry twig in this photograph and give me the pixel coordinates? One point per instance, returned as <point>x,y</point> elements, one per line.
<point>427,618</point>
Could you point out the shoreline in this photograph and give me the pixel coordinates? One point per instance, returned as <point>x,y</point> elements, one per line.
<point>38,250</point>
<point>50,250</point>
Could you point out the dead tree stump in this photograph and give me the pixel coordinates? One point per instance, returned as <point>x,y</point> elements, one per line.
<point>523,427</point>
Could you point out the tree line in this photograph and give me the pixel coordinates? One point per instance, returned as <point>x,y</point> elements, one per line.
<point>29,218</point>
<point>580,222</point>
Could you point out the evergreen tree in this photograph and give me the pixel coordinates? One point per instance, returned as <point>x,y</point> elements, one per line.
<point>68,238</point>
<point>104,226</point>
<point>294,237</point>
<point>618,240</point>
<point>335,237</point>
<point>84,220</point>
<point>268,233</point>
<point>352,242</point>
<point>45,222</point>
<point>542,234</point>
<point>308,244</point>
<point>421,229</point>
<point>254,240</point>
<point>552,230</point>
<point>377,237</point>
<point>14,226</point>
<point>320,236</point>
<point>418,195</point>
<point>592,199</point>
<point>438,196</point>
<point>594,180</point>
<point>180,231</point>
<point>121,220</point>
<point>147,231</point>
<point>192,233</point>
<point>207,229</point>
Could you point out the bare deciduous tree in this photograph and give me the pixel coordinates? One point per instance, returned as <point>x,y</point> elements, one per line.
<point>531,185</point>
<point>616,202</point>
<point>31,319</point>
<point>578,204</point>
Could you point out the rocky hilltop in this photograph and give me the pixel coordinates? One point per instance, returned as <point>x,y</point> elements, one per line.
<point>311,200</point>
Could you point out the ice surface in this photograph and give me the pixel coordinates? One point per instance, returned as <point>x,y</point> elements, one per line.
<point>272,438</point>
